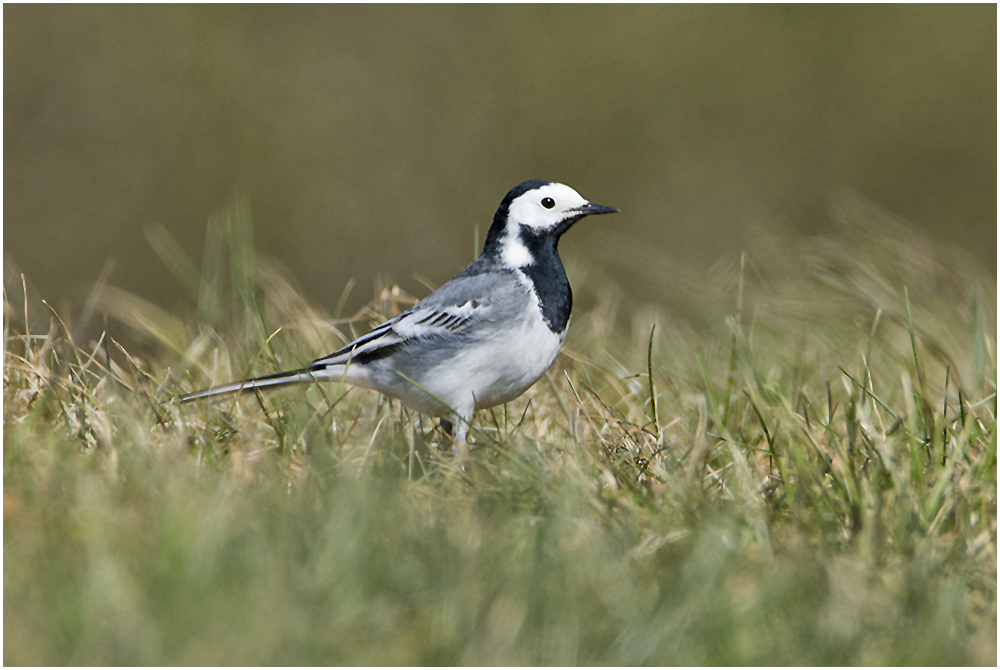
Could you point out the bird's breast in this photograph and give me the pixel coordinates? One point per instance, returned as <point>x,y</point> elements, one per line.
<point>501,366</point>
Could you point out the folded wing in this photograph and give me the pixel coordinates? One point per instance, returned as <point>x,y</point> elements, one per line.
<point>420,322</point>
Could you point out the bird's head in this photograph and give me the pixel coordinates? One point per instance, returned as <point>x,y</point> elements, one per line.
<point>537,210</point>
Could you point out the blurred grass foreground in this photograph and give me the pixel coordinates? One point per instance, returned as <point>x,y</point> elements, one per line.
<point>796,465</point>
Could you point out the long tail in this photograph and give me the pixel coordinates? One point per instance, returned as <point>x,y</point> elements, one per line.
<point>303,376</point>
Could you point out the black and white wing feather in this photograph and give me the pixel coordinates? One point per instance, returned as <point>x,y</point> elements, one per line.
<point>426,320</point>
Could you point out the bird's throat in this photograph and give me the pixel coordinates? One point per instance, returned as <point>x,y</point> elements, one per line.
<point>548,278</point>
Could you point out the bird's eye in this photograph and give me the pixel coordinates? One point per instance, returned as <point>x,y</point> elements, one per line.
<point>548,203</point>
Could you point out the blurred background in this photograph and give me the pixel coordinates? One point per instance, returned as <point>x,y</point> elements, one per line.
<point>376,142</point>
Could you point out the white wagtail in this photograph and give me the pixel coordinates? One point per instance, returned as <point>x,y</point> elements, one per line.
<point>480,340</point>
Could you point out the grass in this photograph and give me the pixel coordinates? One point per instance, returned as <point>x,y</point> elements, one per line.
<point>796,466</point>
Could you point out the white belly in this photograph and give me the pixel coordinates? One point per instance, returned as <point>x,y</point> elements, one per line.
<point>494,370</point>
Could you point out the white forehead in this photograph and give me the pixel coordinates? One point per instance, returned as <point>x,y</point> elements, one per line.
<point>529,208</point>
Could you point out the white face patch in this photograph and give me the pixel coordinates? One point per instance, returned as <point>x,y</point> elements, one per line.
<point>545,207</point>
<point>542,209</point>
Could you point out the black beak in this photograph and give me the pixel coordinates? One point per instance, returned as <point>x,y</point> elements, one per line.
<point>579,213</point>
<point>591,208</point>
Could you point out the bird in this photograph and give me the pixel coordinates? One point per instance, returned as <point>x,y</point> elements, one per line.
<point>480,340</point>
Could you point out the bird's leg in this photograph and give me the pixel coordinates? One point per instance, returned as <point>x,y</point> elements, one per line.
<point>458,423</point>
<point>456,429</point>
